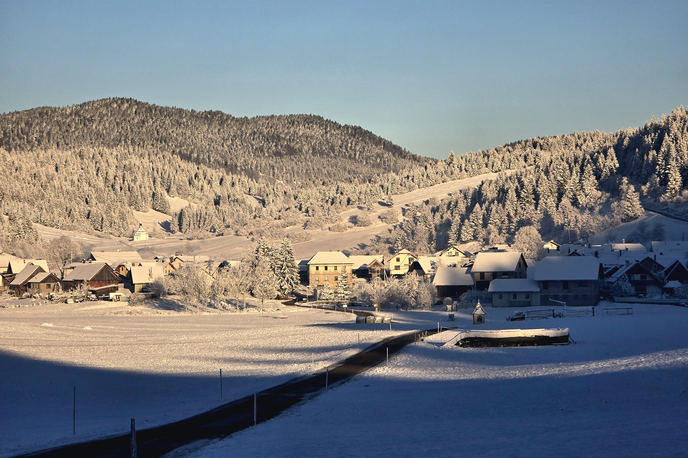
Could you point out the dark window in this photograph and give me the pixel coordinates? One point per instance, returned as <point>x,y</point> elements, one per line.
<point>335,267</point>
<point>565,284</point>
<point>643,276</point>
<point>500,295</point>
<point>398,259</point>
<point>325,267</point>
<point>514,296</point>
<point>527,295</point>
<point>317,267</point>
<point>482,275</point>
<point>545,285</point>
<point>583,284</point>
<point>336,278</point>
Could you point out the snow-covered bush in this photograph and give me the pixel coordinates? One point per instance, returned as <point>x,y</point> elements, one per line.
<point>622,287</point>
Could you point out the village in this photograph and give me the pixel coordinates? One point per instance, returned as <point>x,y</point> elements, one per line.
<point>578,275</point>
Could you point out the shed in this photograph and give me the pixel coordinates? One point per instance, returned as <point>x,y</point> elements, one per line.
<point>478,314</point>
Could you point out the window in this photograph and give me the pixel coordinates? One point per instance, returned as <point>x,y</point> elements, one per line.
<point>500,295</point>
<point>317,277</point>
<point>396,267</point>
<point>335,267</point>
<point>325,267</point>
<point>327,278</point>
<point>336,278</point>
<point>565,284</point>
<point>527,295</point>
<point>545,285</point>
<point>317,267</point>
<point>643,276</point>
<point>482,275</point>
<point>514,296</point>
<point>398,259</point>
<point>583,283</point>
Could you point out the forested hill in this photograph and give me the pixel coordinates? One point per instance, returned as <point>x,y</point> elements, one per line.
<point>293,148</point>
<point>85,168</point>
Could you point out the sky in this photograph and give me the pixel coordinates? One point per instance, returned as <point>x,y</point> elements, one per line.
<point>430,76</point>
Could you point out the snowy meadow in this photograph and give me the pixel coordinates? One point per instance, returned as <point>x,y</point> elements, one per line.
<point>620,390</point>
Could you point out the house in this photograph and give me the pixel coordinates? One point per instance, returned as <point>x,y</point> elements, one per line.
<point>361,266</point>
<point>17,265</point>
<point>142,276</point>
<point>140,234</point>
<point>574,280</point>
<point>454,252</point>
<point>43,283</point>
<point>489,266</point>
<point>676,272</point>
<point>552,247</point>
<point>400,262</point>
<point>115,258</point>
<point>652,265</point>
<point>20,284</point>
<point>99,276</point>
<point>452,281</point>
<point>325,267</point>
<point>5,263</point>
<point>426,265</point>
<point>514,292</point>
<point>643,280</point>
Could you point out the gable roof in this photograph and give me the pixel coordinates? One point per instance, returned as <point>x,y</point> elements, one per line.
<point>453,276</point>
<point>145,274</point>
<point>427,263</point>
<point>568,268</point>
<point>17,265</point>
<point>26,274</point>
<point>194,259</point>
<point>513,285</point>
<point>503,261</point>
<point>114,258</point>
<point>634,268</point>
<point>676,271</point>
<point>41,276</point>
<point>88,271</point>
<point>362,262</point>
<point>329,257</point>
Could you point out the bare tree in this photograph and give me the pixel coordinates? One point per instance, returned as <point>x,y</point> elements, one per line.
<point>62,251</point>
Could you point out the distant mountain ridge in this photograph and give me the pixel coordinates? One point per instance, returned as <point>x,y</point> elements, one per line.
<point>300,148</point>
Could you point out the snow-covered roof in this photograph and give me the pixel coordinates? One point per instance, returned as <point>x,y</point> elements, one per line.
<point>362,262</point>
<point>39,277</point>
<point>115,258</point>
<point>85,271</point>
<point>505,261</point>
<point>429,263</point>
<point>5,261</point>
<point>567,268</point>
<point>635,247</point>
<point>17,265</point>
<point>453,276</point>
<point>673,284</point>
<point>145,274</point>
<point>531,263</point>
<point>329,257</point>
<point>193,259</point>
<point>669,246</point>
<point>513,285</point>
<point>26,274</point>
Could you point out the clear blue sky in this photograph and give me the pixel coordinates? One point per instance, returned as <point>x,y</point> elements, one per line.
<point>429,76</point>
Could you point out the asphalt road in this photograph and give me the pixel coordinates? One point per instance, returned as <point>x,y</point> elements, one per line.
<point>234,416</point>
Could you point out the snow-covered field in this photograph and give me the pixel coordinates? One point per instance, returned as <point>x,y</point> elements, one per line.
<point>621,390</point>
<point>153,366</point>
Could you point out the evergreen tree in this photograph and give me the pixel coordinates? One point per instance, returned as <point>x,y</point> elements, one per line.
<point>343,290</point>
<point>286,269</point>
<point>630,202</point>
